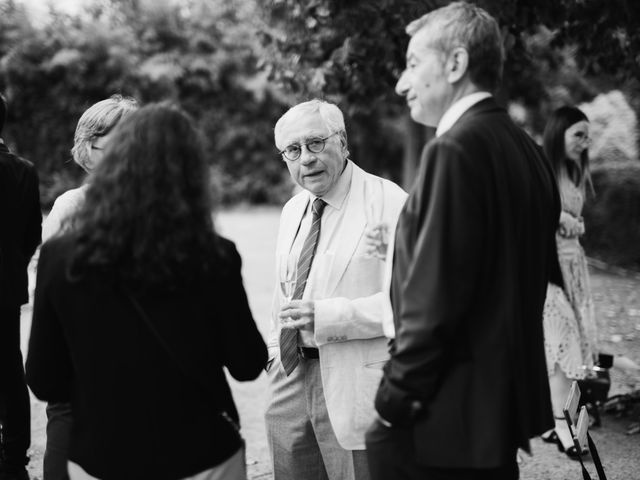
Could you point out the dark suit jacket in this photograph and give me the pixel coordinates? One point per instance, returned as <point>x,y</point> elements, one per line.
<point>473,253</point>
<point>20,225</point>
<point>135,413</point>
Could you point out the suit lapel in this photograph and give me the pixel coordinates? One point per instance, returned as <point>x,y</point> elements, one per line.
<point>351,229</point>
<point>291,226</point>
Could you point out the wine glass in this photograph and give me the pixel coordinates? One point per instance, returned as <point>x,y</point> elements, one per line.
<point>373,209</point>
<point>287,270</point>
<point>373,202</point>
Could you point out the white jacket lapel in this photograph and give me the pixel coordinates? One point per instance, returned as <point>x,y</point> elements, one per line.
<point>291,223</point>
<point>351,230</point>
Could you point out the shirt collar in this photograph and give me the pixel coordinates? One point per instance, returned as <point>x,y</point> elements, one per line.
<point>335,197</point>
<point>455,111</point>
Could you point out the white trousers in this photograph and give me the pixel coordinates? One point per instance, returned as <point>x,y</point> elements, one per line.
<point>302,442</point>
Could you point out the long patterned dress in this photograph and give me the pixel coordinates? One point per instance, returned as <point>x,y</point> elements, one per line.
<point>569,318</point>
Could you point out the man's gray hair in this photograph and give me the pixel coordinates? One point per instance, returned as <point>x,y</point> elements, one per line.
<point>461,24</point>
<point>329,113</point>
<point>97,121</point>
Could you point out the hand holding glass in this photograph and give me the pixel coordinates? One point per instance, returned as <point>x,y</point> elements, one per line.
<point>287,271</point>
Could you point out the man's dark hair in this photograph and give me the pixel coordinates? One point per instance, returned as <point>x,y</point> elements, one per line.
<point>3,111</point>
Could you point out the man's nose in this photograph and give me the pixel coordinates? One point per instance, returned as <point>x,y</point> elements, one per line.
<point>402,86</point>
<point>306,156</point>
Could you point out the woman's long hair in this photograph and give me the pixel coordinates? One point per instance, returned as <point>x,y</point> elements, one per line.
<point>554,146</point>
<point>147,213</point>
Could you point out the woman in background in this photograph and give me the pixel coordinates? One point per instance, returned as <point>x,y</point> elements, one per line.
<point>569,321</point>
<point>137,310</point>
<point>94,130</point>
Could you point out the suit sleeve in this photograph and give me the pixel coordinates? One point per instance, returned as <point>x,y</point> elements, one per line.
<point>48,368</point>
<point>243,349</point>
<point>437,290</point>
<point>342,319</point>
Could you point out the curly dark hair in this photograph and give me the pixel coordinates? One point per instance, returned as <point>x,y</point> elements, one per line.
<point>147,216</point>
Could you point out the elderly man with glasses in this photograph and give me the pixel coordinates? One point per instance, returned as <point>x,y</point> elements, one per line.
<point>326,343</point>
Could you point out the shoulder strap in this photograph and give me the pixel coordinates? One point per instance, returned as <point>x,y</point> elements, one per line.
<point>186,371</point>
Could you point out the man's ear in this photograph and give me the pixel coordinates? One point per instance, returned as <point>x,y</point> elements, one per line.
<point>457,64</point>
<point>343,143</point>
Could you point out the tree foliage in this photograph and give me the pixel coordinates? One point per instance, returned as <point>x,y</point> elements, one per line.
<point>235,65</point>
<point>558,52</point>
<point>202,54</point>
<point>612,217</point>
<point>353,51</point>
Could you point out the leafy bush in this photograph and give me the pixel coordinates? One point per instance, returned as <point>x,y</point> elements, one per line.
<point>201,54</point>
<point>612,217</point>
<point>613,128</point>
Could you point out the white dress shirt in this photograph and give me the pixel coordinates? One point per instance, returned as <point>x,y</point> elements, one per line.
<point>455,111</point>
<point>329,235</point>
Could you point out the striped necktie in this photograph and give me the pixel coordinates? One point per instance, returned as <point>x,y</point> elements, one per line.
<point>289,336</point>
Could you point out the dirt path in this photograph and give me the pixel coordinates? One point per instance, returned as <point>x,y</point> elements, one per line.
<point>617,302</point>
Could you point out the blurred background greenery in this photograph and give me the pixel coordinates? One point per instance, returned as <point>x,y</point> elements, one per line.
<point>236,65</point>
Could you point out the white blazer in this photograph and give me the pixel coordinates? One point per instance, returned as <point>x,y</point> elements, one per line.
<point>347,286</point>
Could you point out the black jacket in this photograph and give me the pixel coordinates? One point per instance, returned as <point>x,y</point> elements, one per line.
<point>474,251</point>
<point>135,413</point>
<point>20,225</point>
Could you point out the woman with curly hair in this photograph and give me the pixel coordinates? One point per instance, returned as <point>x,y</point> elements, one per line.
<point>569,320</point>
<point>138,309</point>
<point>94,130</point>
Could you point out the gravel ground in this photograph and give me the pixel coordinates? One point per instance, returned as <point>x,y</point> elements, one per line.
<point>617,299</point>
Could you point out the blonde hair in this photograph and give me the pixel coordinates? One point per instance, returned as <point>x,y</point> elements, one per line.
<point>97,121</point>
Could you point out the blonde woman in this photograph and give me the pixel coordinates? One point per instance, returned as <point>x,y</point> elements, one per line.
<point>93,132</point>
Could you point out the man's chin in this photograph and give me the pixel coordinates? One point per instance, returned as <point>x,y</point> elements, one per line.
<point>418,116</point>
<point>317,188</point>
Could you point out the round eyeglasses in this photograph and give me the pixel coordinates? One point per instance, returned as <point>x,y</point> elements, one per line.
<point>314,145</point>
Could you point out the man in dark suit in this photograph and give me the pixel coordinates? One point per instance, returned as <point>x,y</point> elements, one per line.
<point>466,384</point>
<point>20,224</point>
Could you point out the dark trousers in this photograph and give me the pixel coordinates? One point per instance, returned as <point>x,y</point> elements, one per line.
<point>56,454</point>
<point>15,409</point>
<point>391,455</point>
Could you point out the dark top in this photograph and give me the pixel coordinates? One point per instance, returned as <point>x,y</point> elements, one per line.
<point>20,225</point>
<point>135,413</point>
<point>474,251</point>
